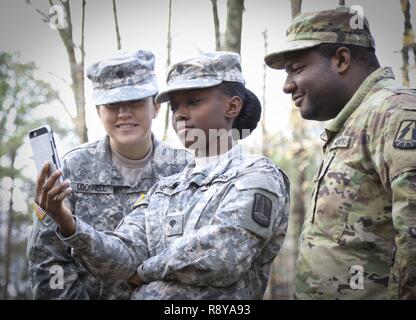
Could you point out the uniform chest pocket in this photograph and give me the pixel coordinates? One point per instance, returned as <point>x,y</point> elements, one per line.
<point>337,190</point>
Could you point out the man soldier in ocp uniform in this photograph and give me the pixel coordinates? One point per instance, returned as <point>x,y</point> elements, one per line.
<point>359,235</point>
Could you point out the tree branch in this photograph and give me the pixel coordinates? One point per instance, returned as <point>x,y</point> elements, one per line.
<point>296,7</point>
<point>65,107</point>
<point>169,48</point>
<point>45,16</point>
<point>116,23</point>
<point>263,116</point>
<point>83,34</point>
<point>216,25</point>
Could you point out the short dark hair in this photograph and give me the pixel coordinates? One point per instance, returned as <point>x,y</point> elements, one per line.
<point>365,57</point>
<point>251,110</point>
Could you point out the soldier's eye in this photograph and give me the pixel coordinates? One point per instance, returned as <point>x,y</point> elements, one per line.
<point>194,102</point>
<point>172,107</point>
<point>297,69</point>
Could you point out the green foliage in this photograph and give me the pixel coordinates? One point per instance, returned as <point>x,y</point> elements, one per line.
<point>20,94</point>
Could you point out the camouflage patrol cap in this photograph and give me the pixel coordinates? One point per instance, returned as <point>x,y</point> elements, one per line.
<point>309,30</point>
<point>203,71</point>
<point>123,77</point>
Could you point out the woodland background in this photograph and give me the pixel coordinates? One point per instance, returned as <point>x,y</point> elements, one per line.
<point>46,46</point>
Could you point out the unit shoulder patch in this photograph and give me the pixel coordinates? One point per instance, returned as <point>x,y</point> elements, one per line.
<point>262,210</point>
<point>406,135</point>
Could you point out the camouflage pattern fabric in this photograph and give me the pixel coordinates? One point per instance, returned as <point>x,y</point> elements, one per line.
<point>211,234</point>
<point>101,198</point>
<point>126,76</point>
<point>358,240</point>
<point>312,29</point>
<point>203,71</point>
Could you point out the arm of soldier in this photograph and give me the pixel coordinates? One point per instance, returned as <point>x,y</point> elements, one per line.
<point>393,151</point>
<point>112,255</point>
<point>109,255</point>
<point>403,273</point>
<point>219,253</point>
<point>52,270</point>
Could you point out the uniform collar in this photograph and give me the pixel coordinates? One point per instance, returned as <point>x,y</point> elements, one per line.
<point>105,172</point>
<point>335,125</point>
<point>217,169</point>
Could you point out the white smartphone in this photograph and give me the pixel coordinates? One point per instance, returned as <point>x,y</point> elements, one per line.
<point>44,148</point>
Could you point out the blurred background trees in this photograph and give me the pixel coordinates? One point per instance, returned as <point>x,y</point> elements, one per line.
<point>20,95</point>
<point>297,150</point>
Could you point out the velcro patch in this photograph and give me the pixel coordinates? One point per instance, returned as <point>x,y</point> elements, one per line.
<point>262,210</point>
<point>406,135</point>
<point>342,142</point>
<point>173,225</point>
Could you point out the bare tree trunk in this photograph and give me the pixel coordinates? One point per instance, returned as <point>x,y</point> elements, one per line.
<point>265,149</point>
<point>216,25</point>
<point>282,273</point>
<point>341,2</point>
<point>8,249</point>
<point>169,50</point>
<point>296,7</point>
<point>76,68</point>
<point>235,9</point>
<point>408,41</point>
<point>299,133</point>
<point>116,25</point>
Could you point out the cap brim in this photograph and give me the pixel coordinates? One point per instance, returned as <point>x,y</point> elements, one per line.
<point>276,60</point>
<point>163,95</point>
<point>126,93</point>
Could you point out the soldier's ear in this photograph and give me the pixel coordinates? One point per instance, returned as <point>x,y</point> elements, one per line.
<point>233,107</point>
<point>342,60</point>
<point>98,111</point>
<point>156,107</point>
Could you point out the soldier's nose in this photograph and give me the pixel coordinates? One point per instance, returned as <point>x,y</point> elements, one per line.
<point>181,114</point>
<point>289,86</point>
<point>124,109</point>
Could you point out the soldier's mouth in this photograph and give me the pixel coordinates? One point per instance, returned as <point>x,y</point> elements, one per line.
<point>126,125</point>
<point>298,98</point>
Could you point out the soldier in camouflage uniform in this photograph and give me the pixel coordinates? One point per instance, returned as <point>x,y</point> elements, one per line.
<point>210,232</point>
<point>104,189</point>
<point>359,235</point>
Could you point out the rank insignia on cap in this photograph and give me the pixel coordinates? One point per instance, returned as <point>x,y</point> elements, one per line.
<point>142,195</point>
<point>262,210</point>
<point>406,135</point>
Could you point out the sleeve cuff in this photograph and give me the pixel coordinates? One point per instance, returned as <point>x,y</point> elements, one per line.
<point>80,240</point>
<point>145,276</point>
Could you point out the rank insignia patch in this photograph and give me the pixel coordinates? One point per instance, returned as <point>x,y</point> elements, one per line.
<point>406,135</point>
<point>139,200</point>
<point>262,210</point>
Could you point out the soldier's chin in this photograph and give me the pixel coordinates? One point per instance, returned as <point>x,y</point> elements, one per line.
<point>308,114</point>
